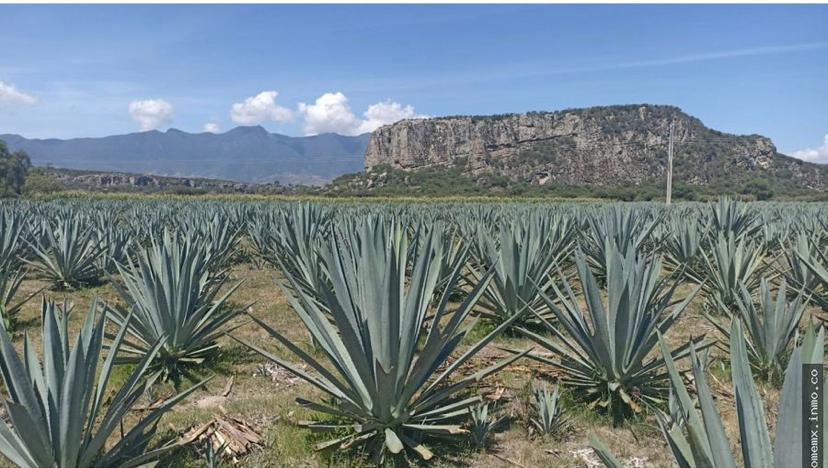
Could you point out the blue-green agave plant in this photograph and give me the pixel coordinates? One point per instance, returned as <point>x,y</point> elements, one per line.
<point>695,433</point>
<point>60,412</point>
<point>386,356</point>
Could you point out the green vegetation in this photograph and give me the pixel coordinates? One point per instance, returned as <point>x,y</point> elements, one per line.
<point>369,325</point>
<point>604,350</point>
<point>172,292</point>
<point>548,419</point>
<point>528,251</point>
<point>699,440</point>
<point>67,253</point>
<point>454,181</point>
<point>771,328</point>
<point>13,169</point>
<point>376,333</point>
<point>54,407</point>
<point>482,426</point>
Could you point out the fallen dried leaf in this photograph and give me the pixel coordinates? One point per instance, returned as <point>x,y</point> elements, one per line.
<point>231,436</point>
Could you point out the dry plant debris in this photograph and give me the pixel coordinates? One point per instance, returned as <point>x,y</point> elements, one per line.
<point>232,436</point>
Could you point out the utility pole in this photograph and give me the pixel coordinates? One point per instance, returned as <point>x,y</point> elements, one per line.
<point>670,167</point>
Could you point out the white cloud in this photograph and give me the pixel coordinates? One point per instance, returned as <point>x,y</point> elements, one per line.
<point>817,155</point>
<point>331,113</point>
<point>211,127</point>
<point>259,109</point>
<point>10,96</point>
<point>384,113</point>
<point>151,113</point>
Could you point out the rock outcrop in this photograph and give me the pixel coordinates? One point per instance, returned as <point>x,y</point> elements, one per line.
<point>125,182</point>
<point>604,146</point>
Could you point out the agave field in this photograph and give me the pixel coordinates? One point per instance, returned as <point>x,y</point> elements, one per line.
<point>257,333</point>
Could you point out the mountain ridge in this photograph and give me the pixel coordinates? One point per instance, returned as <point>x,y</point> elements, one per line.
<point>243,154</point>
<point>604,146</point>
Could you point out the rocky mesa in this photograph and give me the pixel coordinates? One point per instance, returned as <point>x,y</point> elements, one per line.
<point>601,146</point>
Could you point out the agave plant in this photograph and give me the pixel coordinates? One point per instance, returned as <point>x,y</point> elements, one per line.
<point>548,419</point>
<point>682,245</point>
<point>173,297</point>
<point>796,271</point>
<point>731,264</point>
<point>60,412</point>
<point>212,455</point>
<point>604,350</point>
<point>12,240</point>
<point>731,218</point>
<point>771,328</point>
<point>522,261</point>
<point>817,262</point>
<point>384,349</point>
<point>222,238</point>
<point>627,230</point>
<point>300,231</point>
<point>699,440</point>
<point>482,424</point>
<point>67,253</point>
<point>9,306</point>
<point>115,242</point>
<point>453,250</point>
<point>260,233</point>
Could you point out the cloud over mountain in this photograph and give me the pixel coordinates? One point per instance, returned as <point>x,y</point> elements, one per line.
<point>151,113</point>
<point>259,109</point>
<point>211,127</point>
<point>332,113</point>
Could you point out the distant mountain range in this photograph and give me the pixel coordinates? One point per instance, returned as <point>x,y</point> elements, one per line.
<point>534,153</point>
<point>244,154</point>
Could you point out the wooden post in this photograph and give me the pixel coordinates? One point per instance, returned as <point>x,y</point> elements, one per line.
<point>670,167</point>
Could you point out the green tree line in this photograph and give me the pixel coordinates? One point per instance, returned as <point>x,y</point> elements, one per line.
<point>13,169</point>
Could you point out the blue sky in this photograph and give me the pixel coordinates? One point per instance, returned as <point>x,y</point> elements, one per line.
<point>93,70</point>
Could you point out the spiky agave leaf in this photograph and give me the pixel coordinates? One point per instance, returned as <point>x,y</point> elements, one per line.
<point>261,234</point>
<point>115,240</point>
<point>455,248</point>
<point>771,328</point>
<point>59,411</point>
<point>12,240</point>
<point>10,305</point>
<point>628,230</point>
<point>386,373</point>
<point>731,263</point>
<point>173,296</point>
<point>817,263</point>
<point>220,235</point>
<point>482,424</point>
<point>796,270</point>
<point>523,261</point>
<point>699,439</point>
<point>294,243</point>
<point>549,418</point>
<point>682,245</point>
<point>604,349</point>
<point>732,218</point>
<point>67,253</point>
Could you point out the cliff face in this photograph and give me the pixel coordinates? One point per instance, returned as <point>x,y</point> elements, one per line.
<point>617,145</point>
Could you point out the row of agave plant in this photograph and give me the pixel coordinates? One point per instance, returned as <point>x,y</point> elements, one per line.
<point>388,296</point>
